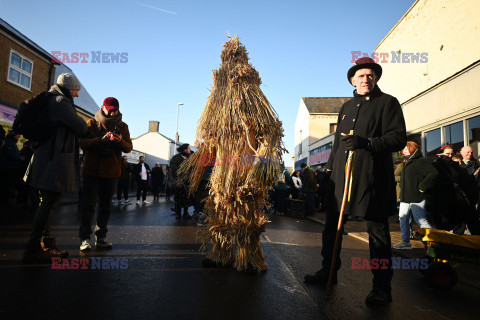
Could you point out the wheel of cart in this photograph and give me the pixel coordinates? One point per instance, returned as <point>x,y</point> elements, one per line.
<point>430,261</point>
<point>441,275</point>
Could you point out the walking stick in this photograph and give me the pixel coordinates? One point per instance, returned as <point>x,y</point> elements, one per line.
<point>348,172</point>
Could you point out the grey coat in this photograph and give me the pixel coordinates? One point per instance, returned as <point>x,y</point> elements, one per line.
<point>55,164</point>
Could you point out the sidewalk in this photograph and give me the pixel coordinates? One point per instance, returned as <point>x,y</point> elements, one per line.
<point>467,273</point>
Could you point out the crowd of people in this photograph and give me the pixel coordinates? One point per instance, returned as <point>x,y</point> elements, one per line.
<point>41,173</point>
<point>442,195</point>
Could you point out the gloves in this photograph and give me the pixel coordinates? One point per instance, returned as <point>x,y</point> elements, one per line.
<point>355,142</point>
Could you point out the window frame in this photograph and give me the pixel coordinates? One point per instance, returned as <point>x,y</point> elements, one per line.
<point>20,70</point>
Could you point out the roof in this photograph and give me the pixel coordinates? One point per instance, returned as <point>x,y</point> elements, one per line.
<point>324,105</point>
<point>21,36</point>
<point>84,100</point>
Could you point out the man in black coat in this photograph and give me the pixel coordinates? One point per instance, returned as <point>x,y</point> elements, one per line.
<point>180,189</point>
<point>124,181</point>
<point>378,128</point>
<point>142,171</point>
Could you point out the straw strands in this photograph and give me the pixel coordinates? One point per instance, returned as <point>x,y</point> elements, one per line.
<point>237,124</point>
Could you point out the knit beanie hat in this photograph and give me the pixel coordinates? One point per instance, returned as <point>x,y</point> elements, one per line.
<point>69,81</point>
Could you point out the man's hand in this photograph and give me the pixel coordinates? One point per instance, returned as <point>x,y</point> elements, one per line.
<point>107,137</point>
<point>116,137</point>
<point>353,142</point>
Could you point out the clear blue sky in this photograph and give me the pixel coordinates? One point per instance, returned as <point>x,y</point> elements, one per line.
<point>301,49</point>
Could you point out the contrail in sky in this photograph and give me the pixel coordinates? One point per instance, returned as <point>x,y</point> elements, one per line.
<point>151,7</point>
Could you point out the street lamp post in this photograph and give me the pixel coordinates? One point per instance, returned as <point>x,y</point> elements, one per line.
<point>176,135</point>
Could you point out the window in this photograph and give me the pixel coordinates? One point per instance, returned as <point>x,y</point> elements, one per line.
<point>433,143</point>
<point>20,70</point>
<point>474,135</point>
<point>333,127</point>
<point>454,135</point>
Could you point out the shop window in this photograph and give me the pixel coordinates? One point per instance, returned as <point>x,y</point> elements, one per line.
<point>433,143</point>
<point>454,135</point>
<point>474,135</point>
<point>20,70</point>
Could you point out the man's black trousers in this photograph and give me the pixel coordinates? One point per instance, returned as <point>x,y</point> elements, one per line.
<point>95,190</point>
<point>379,243</point>
<point>142,186</point>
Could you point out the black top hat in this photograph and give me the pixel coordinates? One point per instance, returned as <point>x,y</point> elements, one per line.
<point>362,63</point>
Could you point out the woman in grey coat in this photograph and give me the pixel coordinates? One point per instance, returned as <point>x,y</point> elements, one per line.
<point>54,167</point>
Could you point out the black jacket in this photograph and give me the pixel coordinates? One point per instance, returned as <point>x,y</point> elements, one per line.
<point>157,175</point>
<point>379,117</point>
<point>125,173</point>
<point>10,155</point>
<point>417,174</point>
<point>445,192</point>
<point>138,169</point>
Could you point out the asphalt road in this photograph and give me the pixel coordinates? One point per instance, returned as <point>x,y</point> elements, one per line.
<point>164,278</point>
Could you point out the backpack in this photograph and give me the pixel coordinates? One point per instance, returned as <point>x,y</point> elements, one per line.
<point>32,120</point>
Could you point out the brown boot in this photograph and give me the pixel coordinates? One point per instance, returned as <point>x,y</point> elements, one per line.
<point>34,254</point>
<point>49,246</point>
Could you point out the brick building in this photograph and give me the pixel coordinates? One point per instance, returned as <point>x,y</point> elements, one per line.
<point>25,71</point>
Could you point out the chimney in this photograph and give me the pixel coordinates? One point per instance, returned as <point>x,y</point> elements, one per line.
<point>153,126</point>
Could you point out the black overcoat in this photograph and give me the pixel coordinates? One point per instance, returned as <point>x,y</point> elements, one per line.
<point>379,117</point>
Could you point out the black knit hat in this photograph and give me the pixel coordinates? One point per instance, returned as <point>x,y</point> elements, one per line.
<point>183,147</point>
<point>362,63</point>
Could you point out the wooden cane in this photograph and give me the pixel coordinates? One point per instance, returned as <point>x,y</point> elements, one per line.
<point>348,172</point>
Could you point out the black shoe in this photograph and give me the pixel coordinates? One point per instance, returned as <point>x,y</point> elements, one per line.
<point>319,277</point>
<point>178,217</point>
<point>378,298</point>
<point>187,216</point>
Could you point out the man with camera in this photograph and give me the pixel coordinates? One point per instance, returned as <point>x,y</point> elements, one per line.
<point>106,138</point>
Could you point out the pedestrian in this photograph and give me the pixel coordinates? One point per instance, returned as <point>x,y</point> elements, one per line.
<point>157,181</point>
<point>23,193</point>
<point>54,168</point>
<point>166,183</point>
<point>142,172</point>
<point>180,189</point>
<point>10,161</point>
<point>416,178</point>
<point>297,183</point>
<point>309,189</point>
<point>379,130</point>
<point>107,137</point>
<point>281,191</point>
<point>454,196</point>
<point>123,184</point>
<point>2,136</point>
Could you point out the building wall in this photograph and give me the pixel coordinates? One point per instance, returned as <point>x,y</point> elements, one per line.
<point>448,30</point>
<point>155,147</point>
<point>41,67</point>
<point>320,126</point>
<point>446,103</point>
<point>302,123</point>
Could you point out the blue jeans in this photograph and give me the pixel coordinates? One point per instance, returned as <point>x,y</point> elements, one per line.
<point>419,215</point>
